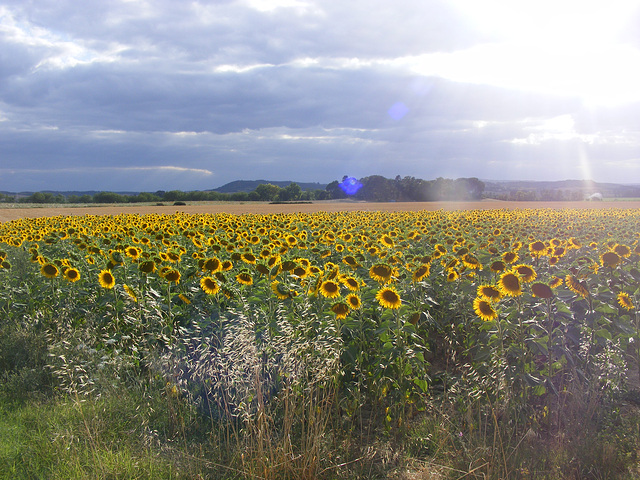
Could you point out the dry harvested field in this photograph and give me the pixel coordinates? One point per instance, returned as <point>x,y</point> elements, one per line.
<point>11,213</point>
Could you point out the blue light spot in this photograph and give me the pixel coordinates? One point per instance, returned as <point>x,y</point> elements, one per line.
<point>350,185</point>
<point>398,110</point>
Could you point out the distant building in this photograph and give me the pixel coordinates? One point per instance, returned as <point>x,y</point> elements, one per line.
<point>595,197</point>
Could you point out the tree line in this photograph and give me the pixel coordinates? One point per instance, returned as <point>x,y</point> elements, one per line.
<point>373,188</point>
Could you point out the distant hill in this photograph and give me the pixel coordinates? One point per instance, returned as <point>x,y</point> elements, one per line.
<point>584,187</point>
<point>250,185</point>
<point>66,193</point>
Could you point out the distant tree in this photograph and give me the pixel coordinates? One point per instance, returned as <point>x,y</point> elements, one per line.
<point>321,194</point>
<point>109,197</point>
<point>290,193</point>
<point>267,192</point>
<point>377,188</point>
<point>238,197</point>
<point>334,191</point>
<point>173,195</point>
<point>145,197</point>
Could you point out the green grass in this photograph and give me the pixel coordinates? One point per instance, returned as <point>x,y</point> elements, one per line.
<point>79,440</point>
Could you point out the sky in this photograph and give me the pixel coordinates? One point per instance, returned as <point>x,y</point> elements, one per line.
<point>146,95</point>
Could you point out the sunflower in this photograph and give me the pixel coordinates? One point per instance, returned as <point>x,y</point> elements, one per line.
<point>537,249</point>
<point>351,283</point>
<point>351,261</point>
<point>510,257</point>
<point>576,286</point>
<point>329,289</point>
<point>381,272</point>
<point>130,292</point>
<point>484,309</point>
<point>452,275</point>
<point>341,309</point>
<point>132,252</point>
<point>244,278</point>
<point>625,301</point>
<point>388,298</point>
<point>248,257</point>
<point>498,266</point>
<point>172,276</point>
<point>72,274</point>
<point>212,265</point>
<point>387,241</point>
<point>184,298</point>
<point>555,282</point>
<point>147,266</point>
<point>106,279</point>
<point>227,265</point>
<point>209,285</point>
<point>622,250</point>
<point>280,290</point>
<point>489,293</point>
<point>49,270</point>
<point>526,273</point>
<point>353,301</point>
<point>610,259</point>
<point>541,290</point>
<point>471,262</point>
<point>509,284</point>
<point>421,272</point>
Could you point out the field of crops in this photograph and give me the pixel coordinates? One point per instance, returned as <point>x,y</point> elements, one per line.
<point>293,323</point>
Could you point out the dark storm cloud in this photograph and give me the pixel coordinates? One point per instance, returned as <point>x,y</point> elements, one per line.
<point>145,95</point>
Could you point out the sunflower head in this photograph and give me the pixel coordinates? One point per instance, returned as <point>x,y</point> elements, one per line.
<point>341,309</point>
<point>49,270</point>
<point>526,272</point>
<point>421,272</point>
<point>172,276</point>
<point>106,279</point>
<point>610,259</point>
<point>388,298</point>
<point>541,290</point>
<point>329,289</point>
<point>625,301</point>
<point>484,309</point>
<point>72,274</point>
<point>537,248</point>
<point>209,285</point>
<point>353,301</point>
<point>280,291</point>
<point>381,272</point>
<point>489,293</point>
<point>212,265</point>
<point>510,257</point>
<point>498,266</point>
<point>509,284</point>
<point>244,278</point>
<point>576,286</point>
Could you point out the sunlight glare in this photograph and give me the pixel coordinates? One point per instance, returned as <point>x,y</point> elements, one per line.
<point>570,48</point>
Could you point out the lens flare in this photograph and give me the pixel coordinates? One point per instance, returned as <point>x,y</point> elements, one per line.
<point>350,185</point>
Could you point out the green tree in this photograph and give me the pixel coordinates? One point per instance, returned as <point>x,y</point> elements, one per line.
<point>267,192</point>
<point>290,193</point>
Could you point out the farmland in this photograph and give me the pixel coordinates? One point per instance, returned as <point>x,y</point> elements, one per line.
<point>447,340</point>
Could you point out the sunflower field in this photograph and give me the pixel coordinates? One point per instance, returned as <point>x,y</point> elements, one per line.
<point>511,324</point>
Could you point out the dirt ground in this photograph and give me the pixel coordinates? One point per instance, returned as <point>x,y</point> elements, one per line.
<point>12,212</point>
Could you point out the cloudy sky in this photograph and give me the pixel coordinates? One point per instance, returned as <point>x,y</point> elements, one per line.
<point>145,95</point>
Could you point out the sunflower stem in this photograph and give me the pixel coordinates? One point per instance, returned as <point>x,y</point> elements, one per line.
<point>549,342</point>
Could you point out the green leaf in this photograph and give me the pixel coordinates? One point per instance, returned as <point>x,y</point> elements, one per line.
<point>421,383</point>
<point>604,333</point>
